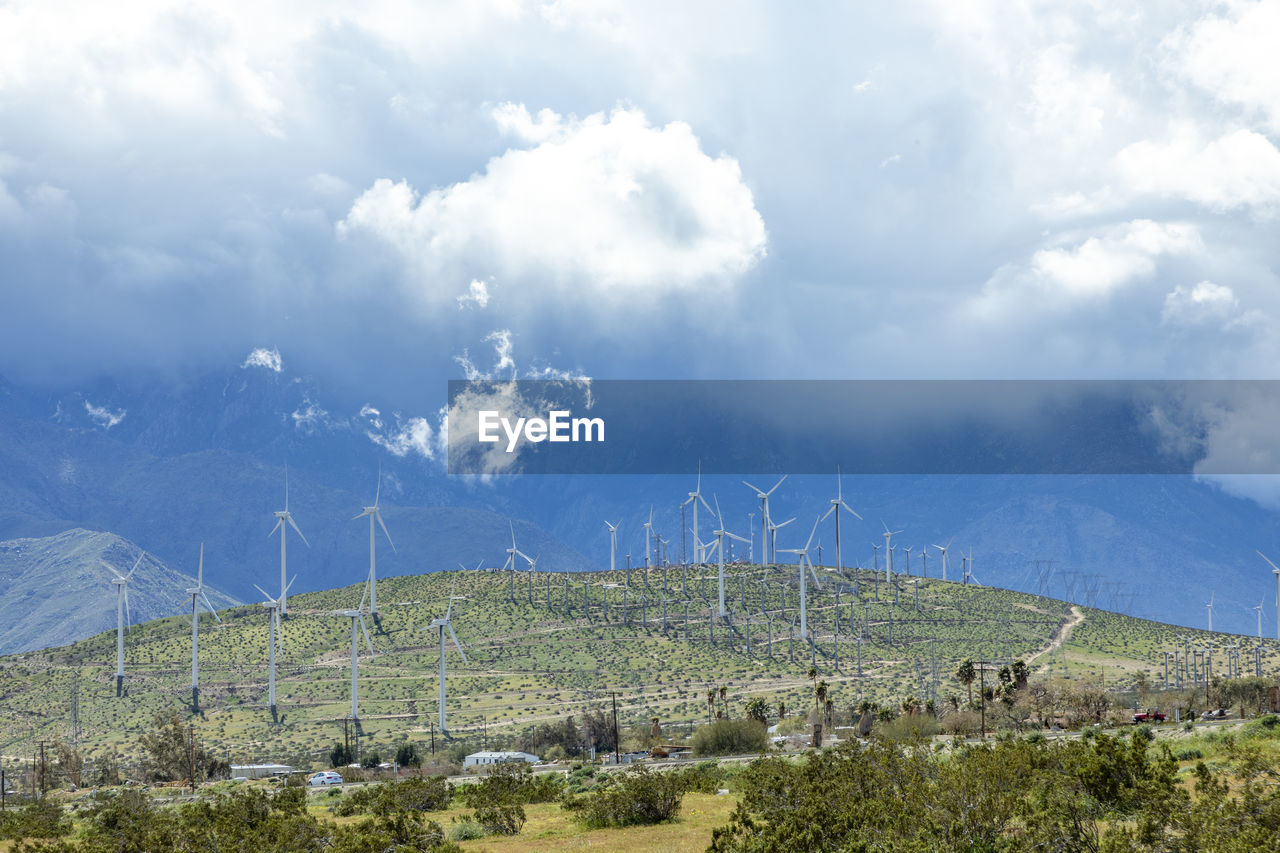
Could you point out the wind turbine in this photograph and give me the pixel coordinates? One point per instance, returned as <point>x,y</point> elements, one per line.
<point>355,616</point>
<point>441,625</point>
<point>1258,608</point>
<point>613,542</point>
<point>122,609</point>
<point>374,513</point>
<point>283,517</point>
<point>971,576</point>
<point>943,549</point>
<point>648,530</point>
<point>1275,570</point>
<point>274,630</point>
<point>888,551</point>
<point>805,567</point>
<point>1210,606</point>
<point>773,537</point>
<point>720,535</point>
<point>764,517</point>
<point>197,595</point>
<point>836,504</point>
<point>695,498</point>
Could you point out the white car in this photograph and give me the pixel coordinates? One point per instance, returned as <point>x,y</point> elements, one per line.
<point>324,777</point>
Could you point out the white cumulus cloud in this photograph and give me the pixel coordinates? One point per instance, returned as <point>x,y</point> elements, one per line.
<point>607,203</point>
<point>1231,56</point>
<point>1239,169</point>
<point>1200,303</point>
<point>477,295</point>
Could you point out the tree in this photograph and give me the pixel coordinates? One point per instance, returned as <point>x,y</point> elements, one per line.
<point>407,755</point>
<point>758,709</point>
<point>782,711</point>
<point>965,674</point>
<point>655,730</point>
<point>341,755</point>
<point>819,694</point>
<point>174,752</point>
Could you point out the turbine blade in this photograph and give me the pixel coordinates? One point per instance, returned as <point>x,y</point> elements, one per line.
<point>1269,563</point>
<point>135,565</point>
<point>128,617</point>
<point>279,522</point>
<point>205,599</point>
<point>294,525</point>
<point>849,509</point>
<point>456,643</point>
<point>775,485</point>
<point>368,642</point>
<point>364,596</point>
<point>759,491</point>
<point>827,514</point>
<point>289,585</point>
<point>704,503</point>
<point>200,571</point>
<point>286,487</point>
<point>359,515</point>
<point>266,594</point>
<point>383,525</point>
<point>449,610</point>
<point>377,493</point>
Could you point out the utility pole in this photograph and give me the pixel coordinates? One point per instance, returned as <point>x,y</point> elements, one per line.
<point>43,784</point>
<point>617,759</point>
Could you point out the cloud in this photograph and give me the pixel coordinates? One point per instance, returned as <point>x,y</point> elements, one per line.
<point>606,204</point>
<point>1087,272</point>
<point>263,357</point>
<point>404,436</point>
<point>1231,56</point>
<point>103,416</point>
<point>477,295</point>
<point>1204,302</point>
<point>1239,169</point>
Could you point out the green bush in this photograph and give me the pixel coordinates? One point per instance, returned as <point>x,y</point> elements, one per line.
<point>501,818</point>
<point>635,797</point>
<point>465,830</point>
<point>1189,754</point>
<point>38,819</point>
<point>908,727</point>
<point>426,794</point>
<point>731,737</point>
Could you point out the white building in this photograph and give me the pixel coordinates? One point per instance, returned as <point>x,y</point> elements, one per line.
<point>259,771</point>
<point>484,759</point>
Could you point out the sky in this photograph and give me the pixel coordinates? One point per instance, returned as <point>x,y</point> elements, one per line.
<point>387,195</point>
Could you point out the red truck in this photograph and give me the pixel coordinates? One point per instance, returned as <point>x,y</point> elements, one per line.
<point>1148,717</point>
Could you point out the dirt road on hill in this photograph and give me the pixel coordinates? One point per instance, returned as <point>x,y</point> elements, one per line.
<point>1063,634</point>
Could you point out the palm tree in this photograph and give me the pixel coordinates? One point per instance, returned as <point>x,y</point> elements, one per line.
<point>965,675</point>
<point>819,694</point>
<point>711,703</point>
<point>724,705</point>
<point>655,730</point>
<point>782,711</point>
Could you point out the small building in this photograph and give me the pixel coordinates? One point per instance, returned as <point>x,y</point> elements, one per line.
<point>259,771</point>
<point>486,759</point>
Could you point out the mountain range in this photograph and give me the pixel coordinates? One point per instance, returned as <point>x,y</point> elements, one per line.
<point>170,464</point>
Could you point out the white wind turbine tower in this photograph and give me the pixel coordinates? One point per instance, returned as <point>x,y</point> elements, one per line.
<point>282,518</point>
<point>943,549</point>
<point>805,567</point>
<point>888,551</point>
<point>613,543</point>
<point>773,537</point>
<point>720,535</point>
<point>274,631</point>
<point>355,616</point>
<point>648,530</point>
<point>1210,606</point>
<point>122,608</point>
<point>1258,607</point>
<point>441,625</point>
<point>969,575</point>
<point>836,504</point>
<point>764,517</point>
<point>1275,570</point>
<point>197,595</point>
<point>374,513</point>
<point>695,498</point>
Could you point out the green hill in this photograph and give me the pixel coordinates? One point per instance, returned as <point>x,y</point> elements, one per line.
<point>529,662</point>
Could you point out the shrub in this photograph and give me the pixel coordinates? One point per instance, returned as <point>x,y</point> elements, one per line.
<point>512,782</point>
<point>428,794</point>
<point>465,830</point>
<point>731,737</point>
<point>638,796</point>
<point>38,819</point>
<point>1189,754</point>
<point>908,727</point>
<point>504,818</point>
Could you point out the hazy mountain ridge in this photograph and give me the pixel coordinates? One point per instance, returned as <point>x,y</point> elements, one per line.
<point>58,589</point>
